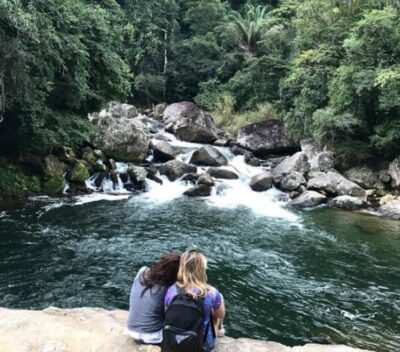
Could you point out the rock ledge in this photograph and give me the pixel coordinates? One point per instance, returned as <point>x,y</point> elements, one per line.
<point>99,330</point>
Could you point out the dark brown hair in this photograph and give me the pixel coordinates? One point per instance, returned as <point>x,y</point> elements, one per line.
<point>163,272</point>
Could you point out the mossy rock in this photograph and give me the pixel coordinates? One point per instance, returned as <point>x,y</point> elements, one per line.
<point>52,166</point>
<point>54,185</point>
<point>16,184</point>
<point>78,173</point>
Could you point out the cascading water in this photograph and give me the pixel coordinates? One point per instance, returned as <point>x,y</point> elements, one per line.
<point>320,275</point>
<point>225,194</point>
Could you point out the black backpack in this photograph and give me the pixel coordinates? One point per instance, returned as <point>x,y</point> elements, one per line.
<point>183,325</point>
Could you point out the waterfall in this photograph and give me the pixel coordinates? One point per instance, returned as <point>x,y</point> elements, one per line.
<point>225,193</point>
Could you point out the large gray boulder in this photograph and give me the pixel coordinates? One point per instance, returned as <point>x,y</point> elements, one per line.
<point>394,172</point>
<point>208,156</point>
<point>265,138</point>
<point>261,182</point>
<point>119,135</point>
<point>335,184</point>
<point>323,162</point>
<point>189,123</point>
<point>390,210</point>
<point>164,152</point>
<point>347,203</point>
<point>296,163</point>
<point>222,173</point>
<point>293,181</point>
<point>175,169</point>
<point>308,199</point>
<point>365,177</point>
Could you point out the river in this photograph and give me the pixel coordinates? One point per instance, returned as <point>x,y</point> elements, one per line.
<point>290,276</point>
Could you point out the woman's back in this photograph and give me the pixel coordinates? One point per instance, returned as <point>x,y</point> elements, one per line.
<point>146,306</point>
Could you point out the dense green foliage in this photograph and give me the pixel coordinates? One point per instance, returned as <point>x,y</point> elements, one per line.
<point>329,68</point>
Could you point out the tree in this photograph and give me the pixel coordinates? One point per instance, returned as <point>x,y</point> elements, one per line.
<point>246,30</point>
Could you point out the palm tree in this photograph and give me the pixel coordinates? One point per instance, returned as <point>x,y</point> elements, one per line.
<point>246,29</point>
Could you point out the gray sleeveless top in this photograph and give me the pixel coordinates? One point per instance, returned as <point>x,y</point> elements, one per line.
<point>146,306</point>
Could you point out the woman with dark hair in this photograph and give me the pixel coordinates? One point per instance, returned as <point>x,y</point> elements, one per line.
<point>146,302</point>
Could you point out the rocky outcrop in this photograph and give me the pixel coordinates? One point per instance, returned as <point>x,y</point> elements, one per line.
<point>323,162</point>
<point>296,163</point>
<point>78,173</point>
<point>365,177</point>
<point>189,123</point>
<point>334,184</point>
<point>261,182</point>
<point>164,152</point>
<point>119,134</point>
<point>208,156</point>
<point>293,181</point>
<point>94,329</point>
<point>394,172</point>
<point>265,138</point>
<point>222,173</point>
<point>308,199</point>
<point>175,169</point>
<point>347,203</point>
<point>390,210</point>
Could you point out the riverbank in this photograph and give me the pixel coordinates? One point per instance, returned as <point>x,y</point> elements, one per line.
<point>94,329</point>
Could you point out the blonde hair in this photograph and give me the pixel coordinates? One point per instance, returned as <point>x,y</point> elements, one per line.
<point>192,273</point>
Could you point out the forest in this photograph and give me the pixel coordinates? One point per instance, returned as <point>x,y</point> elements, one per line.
<point>330,69</point>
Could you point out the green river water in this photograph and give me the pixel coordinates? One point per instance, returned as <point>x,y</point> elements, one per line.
<point>294,277</point>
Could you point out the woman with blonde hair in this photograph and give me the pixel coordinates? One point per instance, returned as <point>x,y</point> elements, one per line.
<point>192,283</point>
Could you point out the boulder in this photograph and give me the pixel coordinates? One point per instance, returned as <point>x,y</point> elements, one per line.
<point>365,177</point>
<point>79,173</point>
<point>265,138</point>
<point>164,152</point>
<point>394,172</point>
<point>120,136</point>
<point>335,184</point>
<point>137,174</point>
<point>387,199</point>
<point>199,191</point>
<point>222,173</point>
<point>261,182</point>
<point>189,123</point>
<point>175,169</point>
<point>390,210</point>
<point>251,160</point>
<point>54,185</point>
<point>65,154</point>
<point>87,154</point>
<point>323,162</point>
<point>296,163</point>
<point>292,181</point>
<point>310,148</point>
<point>205,179</point>
<point>52,166</point>
<point>347,203</point>
<point>158,110</point>
<point>208,156</point>
<point>124,111</point>
<point>308,199</point>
